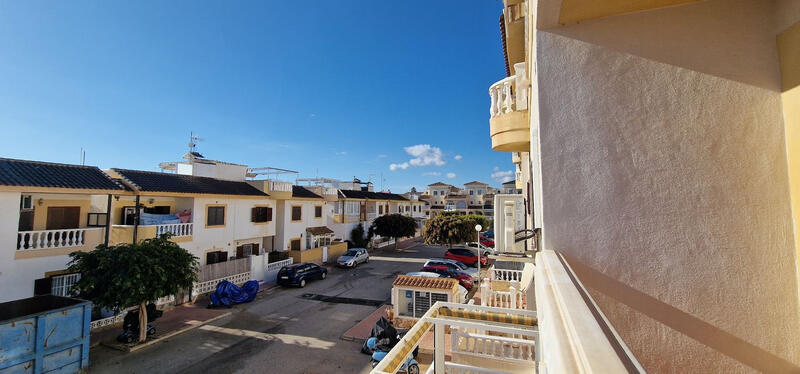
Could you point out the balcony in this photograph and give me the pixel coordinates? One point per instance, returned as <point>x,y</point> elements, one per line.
<point>279,189</point>
<point>181,232</point>
<point>51,239</point>
<point>516,158</point>
<point>330,194</point>
<point>509,124</point>
<point>513,31</point>
<point>565,334</point>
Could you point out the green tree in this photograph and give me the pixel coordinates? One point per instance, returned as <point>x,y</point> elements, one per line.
<point>394,226</point>
<point>477,220</point>
<point>448,229</point>
<point>125,275</point>
<point>357,237</point>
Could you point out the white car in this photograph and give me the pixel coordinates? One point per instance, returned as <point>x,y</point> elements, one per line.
<point>486,251</point>
<point>455,265</point>
<point>353,257</point>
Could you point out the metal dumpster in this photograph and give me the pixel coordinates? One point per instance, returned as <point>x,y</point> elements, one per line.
<point>44,334</point>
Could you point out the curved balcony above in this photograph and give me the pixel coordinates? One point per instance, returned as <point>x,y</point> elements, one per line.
<point>509,124</point>
<point>516,158</point>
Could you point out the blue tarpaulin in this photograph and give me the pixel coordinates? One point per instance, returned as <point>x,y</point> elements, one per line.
<point>228,293</point>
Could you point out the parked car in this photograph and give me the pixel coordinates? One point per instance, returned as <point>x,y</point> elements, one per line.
<point>353,257</point>
<point>489,234</point>
<point>487,241</point>
<point>425,274</point>
<point>466,256</point>
<point>299,274</point>
<point>454,265</point>
<point>484,249</point>
<point>463,278</point>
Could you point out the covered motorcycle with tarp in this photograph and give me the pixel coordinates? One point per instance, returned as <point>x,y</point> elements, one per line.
<point>385,334</point>
<point>228,294</point>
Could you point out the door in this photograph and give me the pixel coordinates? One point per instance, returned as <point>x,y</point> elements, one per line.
<point>363,211</point>
<point>63,217</point>
<point>325,254</point>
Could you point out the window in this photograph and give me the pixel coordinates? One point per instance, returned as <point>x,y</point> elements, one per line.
<point>62,284</point>
<point>26,202</point>
<point>295,245</point>
<point>435,193</point>
<point>480,192</point>
<point>471,192</point>
<point>380,209</point>
<point>297,213</point>
<point>97,219</point>
<point>215,216</point>
<point>317,212</point>
<point>261,214</point>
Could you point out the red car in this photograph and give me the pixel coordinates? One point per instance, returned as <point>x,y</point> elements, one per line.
<point>485,240</point>
<point>465,255</point>
<point>463,278</point>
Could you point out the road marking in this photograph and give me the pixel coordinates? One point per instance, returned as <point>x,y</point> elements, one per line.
<point>398,259</point>
<point>304,341</point>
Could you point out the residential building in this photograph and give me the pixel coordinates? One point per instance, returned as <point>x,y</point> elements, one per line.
<point>214,219</point>
<point>362,206</point>
<point>475,198</point>
<point>49,210</point>
<point>655,143</point>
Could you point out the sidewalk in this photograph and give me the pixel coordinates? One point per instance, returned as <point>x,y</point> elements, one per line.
<point>360,332</point>
<point>173,322</point>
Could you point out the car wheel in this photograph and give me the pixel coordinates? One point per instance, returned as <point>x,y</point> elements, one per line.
<point>302,283</point>
<point>413,369</point>
<point>367,260</point>
<point>151,332</point>
<point>324,275</point>
<point>129,339</point>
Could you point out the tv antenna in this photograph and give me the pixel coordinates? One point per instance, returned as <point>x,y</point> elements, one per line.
<point>193,139</point>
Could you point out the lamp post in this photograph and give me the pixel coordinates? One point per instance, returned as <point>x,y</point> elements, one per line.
<point>478,228</point>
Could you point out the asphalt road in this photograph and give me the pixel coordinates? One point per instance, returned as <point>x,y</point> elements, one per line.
<point>285,330</point>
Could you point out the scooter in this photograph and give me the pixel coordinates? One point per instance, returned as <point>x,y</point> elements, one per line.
<point>130,325</point>
<point>411,366</point>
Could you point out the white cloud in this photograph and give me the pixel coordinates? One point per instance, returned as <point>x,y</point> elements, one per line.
<point>451,175</point>
<point>458,157</point>
<point>342,153</point>
<point>502,176</point>
<point>394,167</point>
<point>432,174</point>
<point>425,155</point>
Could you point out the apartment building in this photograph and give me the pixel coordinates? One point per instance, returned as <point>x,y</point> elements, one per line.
<point>475,198</point>
<point>654,143</point>
<point>362,206</point>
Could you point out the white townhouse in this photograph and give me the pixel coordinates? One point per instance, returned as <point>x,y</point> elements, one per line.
<point>47,211</point>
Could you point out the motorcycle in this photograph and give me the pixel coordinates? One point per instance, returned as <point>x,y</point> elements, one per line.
<point>130,325</point>
<point>410,366</point>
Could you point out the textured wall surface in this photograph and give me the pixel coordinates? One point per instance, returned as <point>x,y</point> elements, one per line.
<point>665,184</point>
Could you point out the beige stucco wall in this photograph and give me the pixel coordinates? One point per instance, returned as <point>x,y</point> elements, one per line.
<point>664,182</point>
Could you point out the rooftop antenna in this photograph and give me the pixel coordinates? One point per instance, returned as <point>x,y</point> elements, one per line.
<point>193,139</point>
<point>83,157</point>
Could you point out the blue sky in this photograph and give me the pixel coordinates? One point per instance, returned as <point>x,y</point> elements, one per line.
<point>330,88</point>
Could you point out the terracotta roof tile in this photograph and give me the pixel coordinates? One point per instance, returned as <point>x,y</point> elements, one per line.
<point>423,282</point>
<point>319,230</point>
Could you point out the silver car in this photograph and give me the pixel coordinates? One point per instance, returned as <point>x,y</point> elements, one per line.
<point>473,273</point>
<point>353,257</point>
<point>486,251</point>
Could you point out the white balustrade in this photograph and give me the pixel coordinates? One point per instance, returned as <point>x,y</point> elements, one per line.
<point>275,266</point>
<point>492,346</point>
<point>45,239</point>
<point>176,229</point>
<point>511,299</point>
<point>511,93</point>
<point>280,186</point>
<point>209,286</point>
<point>505,275</point>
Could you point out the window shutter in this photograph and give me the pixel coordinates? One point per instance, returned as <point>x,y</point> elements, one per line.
<point>255,250</point>
<point>240,251</point>
<point>269,214</point>
<point>43,286</point>
<point>253,214</point>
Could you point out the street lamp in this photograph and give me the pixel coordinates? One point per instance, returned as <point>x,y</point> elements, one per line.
<point>478,228</point>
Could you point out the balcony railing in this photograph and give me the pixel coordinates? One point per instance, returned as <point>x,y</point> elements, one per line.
<point>510,297</point>
<point>280,186</point>
<point>507,275</point>
<point>176,229</point>
<point>330,191</point>
<point>46,239</point>
<point>507,344</point>
<point>509,94</point>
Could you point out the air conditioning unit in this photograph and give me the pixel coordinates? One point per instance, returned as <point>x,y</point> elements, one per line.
<point>509,219</point>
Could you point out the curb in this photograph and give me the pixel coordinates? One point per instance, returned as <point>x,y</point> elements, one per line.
<point>127,348</point>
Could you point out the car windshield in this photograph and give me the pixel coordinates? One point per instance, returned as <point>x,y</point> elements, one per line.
<point>351,252</point>
<point>461,265</point>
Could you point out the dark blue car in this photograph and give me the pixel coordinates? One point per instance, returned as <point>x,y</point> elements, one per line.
<point>299,274</point>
